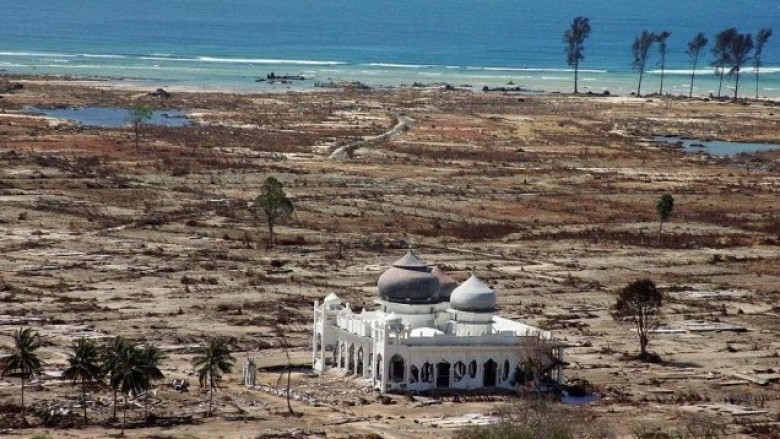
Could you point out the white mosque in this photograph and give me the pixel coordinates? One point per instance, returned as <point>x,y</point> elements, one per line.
<point>429,333</point>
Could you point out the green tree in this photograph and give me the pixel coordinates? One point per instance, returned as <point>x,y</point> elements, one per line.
<point>151,360</point>
<point>761,39</point>
<point>641,49</point>
<point>574,38</point>
<point>23,360</point>
<point>721,50</point>
<point>664,208</point>
<point>84,367</point>
<point>211,362</point>
<point>640,303</point>
<point>695,47</point>
<point>139,114</point>
<point>110,362</point>
<point>272,206</point>
<point>130,376</point>
<point>661,40</point>
<point>741,46</point>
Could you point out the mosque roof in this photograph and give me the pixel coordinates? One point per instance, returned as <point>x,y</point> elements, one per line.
<point>409,281</point>
<point>473,295</point>
<point>446,283</point>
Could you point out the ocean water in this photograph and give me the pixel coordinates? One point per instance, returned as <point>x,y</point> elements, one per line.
<point>229,43</point>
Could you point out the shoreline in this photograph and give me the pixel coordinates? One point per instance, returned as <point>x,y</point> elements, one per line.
<point>150,85</point>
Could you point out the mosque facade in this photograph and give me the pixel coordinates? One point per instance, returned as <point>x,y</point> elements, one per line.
<point>429,332</point>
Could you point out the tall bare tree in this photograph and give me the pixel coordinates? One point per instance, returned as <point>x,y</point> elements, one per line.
<point>272,206</point>
<point>575,37</point>
<point>695,47</point>
<point>641,49</point>
<point>640,303</point>
<point>741,46</point>
<point>721,50</point>
<point>661,40</point>
<point>762,37</point>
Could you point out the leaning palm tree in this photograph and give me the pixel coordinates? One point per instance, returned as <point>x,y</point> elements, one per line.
<point>211,362</point>
<point>84,366</point>
<point>23,361</point>
<point>129,376</point>
<point>641,49</point>
<point>151,359</point>
<point>110,361</point>
<point>695,47</point>
<point>761,39</point>
<point>574,38</point>
<point>661,40</point>
<point>741,46</point>
<point>721,49</point>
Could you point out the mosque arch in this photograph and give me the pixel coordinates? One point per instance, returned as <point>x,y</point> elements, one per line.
<point>489,372</point>
<point>458,371</point>
<point>426,374</point>
<point>397,368</point>
<point>351,358</point>
<point>414,374</point>
<point>473,369</point>
<point>378,370</point>
<point>443,372</point>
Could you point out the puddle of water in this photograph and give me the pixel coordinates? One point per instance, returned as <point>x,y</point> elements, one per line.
<point>717,147</point>
<point>110,117</point>
<point>579,400</point>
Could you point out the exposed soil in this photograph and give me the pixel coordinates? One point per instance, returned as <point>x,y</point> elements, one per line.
<point>549,198</point>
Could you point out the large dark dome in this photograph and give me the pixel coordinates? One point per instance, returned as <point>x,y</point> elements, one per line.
<point>446,283</point>
<point>408,281</point>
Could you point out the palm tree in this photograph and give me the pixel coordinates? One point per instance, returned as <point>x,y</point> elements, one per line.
<point>694,49</point>
<point>84,366</point>
<point>575,38</point>
<point>721,49</point>
<point>129,376</point>
<point>661,40</point>
<point>761,39</point>
<point>23,361</point>
<point>211,362</point>
<point>151,359</point>
<point>112,355</point>
<point>641,48</point>
<point>741,46</point>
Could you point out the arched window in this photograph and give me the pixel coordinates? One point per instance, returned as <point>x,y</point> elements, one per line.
<point>426,375</point>
<point>506,370</point>
<point>397,368</point>
<point>414,374</point>
<point>378,370</point>
<point>473,369</point>
<point>459,371</point>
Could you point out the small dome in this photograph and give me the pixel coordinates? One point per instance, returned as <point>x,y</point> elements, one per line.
<point>332,298</point>
<point>408,281</point>
<point>447,284</point>
<point>473,296</point>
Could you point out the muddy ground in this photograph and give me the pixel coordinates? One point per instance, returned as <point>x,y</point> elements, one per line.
<point>549,198</point>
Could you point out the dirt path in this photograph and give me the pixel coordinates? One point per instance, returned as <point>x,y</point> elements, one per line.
<point>404,123</point>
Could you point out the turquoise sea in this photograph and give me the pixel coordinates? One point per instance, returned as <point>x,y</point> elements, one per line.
<point>228,43</point>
